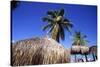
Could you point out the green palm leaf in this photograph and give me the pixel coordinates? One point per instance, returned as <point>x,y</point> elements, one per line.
<point>61,33</point>
<point>67,26</point>
<point>66,20</point>
<point>61,12</point>
<point>48,19</point>
<point>46,27</point>
<point>51,13</point>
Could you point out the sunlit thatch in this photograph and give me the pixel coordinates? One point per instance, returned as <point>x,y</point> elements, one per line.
<point>79,49</point>
<point>39,51</point>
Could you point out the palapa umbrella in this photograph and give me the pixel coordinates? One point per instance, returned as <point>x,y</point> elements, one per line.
<point>79,44</point>
<point>35,51</point>
<point>79,49</point>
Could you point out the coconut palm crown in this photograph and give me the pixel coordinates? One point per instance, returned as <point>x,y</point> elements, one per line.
<point>57,24</point>
<point>79,39</point>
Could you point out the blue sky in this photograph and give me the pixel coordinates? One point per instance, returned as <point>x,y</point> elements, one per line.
<point>27,20</point>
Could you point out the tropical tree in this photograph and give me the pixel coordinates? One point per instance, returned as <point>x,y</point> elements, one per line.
<point>57,24</point>
<point>79,45</point>
<point>79,39</point>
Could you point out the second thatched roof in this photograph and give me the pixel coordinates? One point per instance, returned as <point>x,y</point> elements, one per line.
<point>78,49</point>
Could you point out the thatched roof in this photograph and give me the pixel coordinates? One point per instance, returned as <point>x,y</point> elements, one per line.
<point>78,49</point>
<point>36,51</point>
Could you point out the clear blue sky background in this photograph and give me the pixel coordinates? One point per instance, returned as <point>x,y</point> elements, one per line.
<point>27,20</point>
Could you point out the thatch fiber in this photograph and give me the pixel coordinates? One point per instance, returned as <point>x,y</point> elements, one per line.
<point>35,51</point>
<point>79,49</point>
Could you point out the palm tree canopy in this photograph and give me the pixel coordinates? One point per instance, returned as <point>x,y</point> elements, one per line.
<point>79,39</point>
<point>57,24</point>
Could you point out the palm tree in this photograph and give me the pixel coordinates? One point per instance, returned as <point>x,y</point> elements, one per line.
<point>57,24</point>
<point>79,44</point>
<point>79,39</point>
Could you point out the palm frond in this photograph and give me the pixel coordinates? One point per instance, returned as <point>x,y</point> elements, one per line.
<point>51,13</point>
<point>61,32</point>
<point>56,13</point>
<point>66,20</point>
<point>51,28</point>
<point>67,26</point>
<point>61,12</point>
<point>68,29</point>
<point>47,26</point>
<point>47,19</point>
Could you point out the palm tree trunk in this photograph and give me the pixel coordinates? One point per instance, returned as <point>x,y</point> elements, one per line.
<point>86,58</point>
<point>55,34</point>
<point>55,37</point>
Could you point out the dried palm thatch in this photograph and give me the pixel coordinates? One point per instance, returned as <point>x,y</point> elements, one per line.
<point>36,51</point>
<point>78,49</point>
